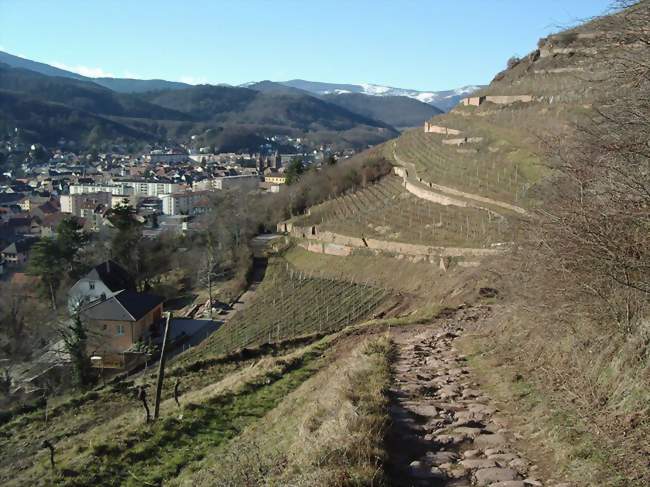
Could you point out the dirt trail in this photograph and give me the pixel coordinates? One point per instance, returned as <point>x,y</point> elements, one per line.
<point>444,430</point>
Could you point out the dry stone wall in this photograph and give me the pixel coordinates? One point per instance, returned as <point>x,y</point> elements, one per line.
<point>497,99</point>
<point>438,129</point>
<point>448,194</point>
<point>463,141</point>
<point>337,244</point>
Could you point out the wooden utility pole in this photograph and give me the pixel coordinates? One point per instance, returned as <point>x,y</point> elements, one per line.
<point>161,367</point>
<point>210,267</point>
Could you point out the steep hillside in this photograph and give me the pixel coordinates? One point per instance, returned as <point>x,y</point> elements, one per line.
<point>120,85</point>
<point>552,146</point>
<point>291,303</point>
<point>47,122</point>
<point>82,95</point>
<point>397,111</point>
<point>478,317</point>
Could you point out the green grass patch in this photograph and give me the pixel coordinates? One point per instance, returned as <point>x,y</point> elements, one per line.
<point>161,450</point>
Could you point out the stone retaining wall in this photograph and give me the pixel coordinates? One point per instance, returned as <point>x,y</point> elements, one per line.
<point>438,129</point>
<point>497,99</point>
<point>463,140</point>
<point>435,196</point>
<point>340,242</point>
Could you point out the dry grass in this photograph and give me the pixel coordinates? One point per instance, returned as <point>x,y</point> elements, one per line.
<point>328,432</point>
<point>581,390</point>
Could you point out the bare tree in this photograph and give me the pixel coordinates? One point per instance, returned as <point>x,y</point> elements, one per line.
<point>595,230</point>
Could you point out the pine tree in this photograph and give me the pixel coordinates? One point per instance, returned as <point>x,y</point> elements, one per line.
<point>74,338</point>
<point>45,262</point>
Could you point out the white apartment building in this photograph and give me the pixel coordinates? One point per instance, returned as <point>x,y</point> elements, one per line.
<point>183,203</point>
<point>150,188</point>
<point>247,182</point>
<point>75,203</point>
<point>118,189</point>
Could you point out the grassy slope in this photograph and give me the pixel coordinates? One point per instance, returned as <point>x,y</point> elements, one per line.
<point>328,430</point>
<point>226,397</point>
<point>579,388</point>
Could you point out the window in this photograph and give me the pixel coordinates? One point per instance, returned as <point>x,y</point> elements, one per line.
<point>120,330</point>
<point>91,285</point>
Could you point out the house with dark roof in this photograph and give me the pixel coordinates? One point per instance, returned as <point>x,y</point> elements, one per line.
<point>117,323</point>
<point>17,253</point>
<point>102,281</point>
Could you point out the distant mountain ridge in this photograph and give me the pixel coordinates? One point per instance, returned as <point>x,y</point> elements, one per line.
<point>51,103</point>
<point>397,111</point>
<point>48,108</point>
<point>120,85</point>
<point>444,100</point>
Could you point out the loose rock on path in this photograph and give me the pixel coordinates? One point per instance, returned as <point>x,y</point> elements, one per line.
<point>444,430</point>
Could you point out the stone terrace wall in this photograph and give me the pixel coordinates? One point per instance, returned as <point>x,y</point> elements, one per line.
<point>462,141</point>
<point>339,241</point>
<point>436,197</point>
<point>438,129</point>
<point>496,99</point>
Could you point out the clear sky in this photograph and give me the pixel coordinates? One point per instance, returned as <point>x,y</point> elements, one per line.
<point>425,44</point>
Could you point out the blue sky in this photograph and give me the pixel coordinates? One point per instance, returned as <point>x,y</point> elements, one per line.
<point>425,44</point>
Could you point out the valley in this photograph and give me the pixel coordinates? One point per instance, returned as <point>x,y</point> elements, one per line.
<point>429,295</point>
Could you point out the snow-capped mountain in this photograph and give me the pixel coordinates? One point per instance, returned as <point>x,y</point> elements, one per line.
<point>445,100</point>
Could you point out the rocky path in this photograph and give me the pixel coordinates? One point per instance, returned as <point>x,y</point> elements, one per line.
<point>444,429</point>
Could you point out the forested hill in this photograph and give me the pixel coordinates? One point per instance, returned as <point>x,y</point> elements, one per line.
<point>241,116</point>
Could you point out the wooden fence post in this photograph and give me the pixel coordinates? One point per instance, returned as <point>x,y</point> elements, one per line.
<point>161,367</point>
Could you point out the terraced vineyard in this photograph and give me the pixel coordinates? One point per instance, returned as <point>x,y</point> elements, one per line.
<point>386,211</point>
<point>288,304</point>
<point>478,171</point>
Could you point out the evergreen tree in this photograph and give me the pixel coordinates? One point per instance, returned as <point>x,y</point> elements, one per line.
<point>70,238</point>
<point>294,170</point>
<point>74,338</point>
<point>125,244</point>
<point>46,262</point>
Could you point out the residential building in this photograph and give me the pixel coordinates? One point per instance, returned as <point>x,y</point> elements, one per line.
<point>103,280</point>
<point>184,203</point>
<point>146,188</point>
<point>120,189</point>
<point>74,203</point>
<point>242,182</point>
<point>17,253</point>
<point>274,177</point>
<point>116,324</point>
<point>170,157</point>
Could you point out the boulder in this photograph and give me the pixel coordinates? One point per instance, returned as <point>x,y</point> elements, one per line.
<point>441,457</point>
<point>420,470</point>
<point>471,453</point>
<point>468,432</point>
<point>489,476</point>
<point>490,441</point>
<point>478,463</point>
